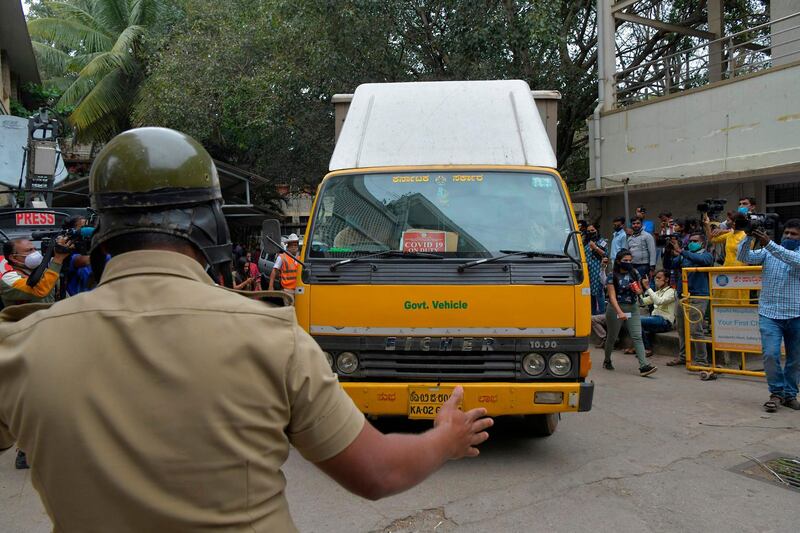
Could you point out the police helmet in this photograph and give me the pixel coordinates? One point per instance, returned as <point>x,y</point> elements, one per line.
<point>162,181</point>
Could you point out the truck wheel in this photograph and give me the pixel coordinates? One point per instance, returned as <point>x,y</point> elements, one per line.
<point>541,425</point>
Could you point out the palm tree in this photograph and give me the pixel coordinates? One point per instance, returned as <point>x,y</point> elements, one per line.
<point>92,49</point>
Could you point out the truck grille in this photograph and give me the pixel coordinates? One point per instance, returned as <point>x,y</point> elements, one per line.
<point>425,366</point>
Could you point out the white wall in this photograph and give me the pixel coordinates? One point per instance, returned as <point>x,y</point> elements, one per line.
<point>747,124</point>
<point>786,44</point>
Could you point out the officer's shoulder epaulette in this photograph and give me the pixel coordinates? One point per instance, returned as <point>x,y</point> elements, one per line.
<point>276,298</point>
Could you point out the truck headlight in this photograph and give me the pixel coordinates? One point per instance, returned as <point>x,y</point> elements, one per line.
<point>329,358</point>
<point>347,362</point>
<point>533,364</point>
<point>560,364</point>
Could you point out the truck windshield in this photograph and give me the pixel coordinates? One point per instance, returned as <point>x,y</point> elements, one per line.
<point>455,214</point>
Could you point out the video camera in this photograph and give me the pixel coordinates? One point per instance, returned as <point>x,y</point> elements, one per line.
<point>80,238</point>
<point>712,206</point>
<point>765,222</point>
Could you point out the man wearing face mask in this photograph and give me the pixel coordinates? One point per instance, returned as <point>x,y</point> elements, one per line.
<point>747,206</point>
<point>619,239</point>
<point>778,310</point>
<point>24,258</point>
<point>695,255</point>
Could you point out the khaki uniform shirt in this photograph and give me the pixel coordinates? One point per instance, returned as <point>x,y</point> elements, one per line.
<point>160,402</point>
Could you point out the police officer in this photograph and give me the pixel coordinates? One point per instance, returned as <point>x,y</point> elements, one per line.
<point>163,402</point>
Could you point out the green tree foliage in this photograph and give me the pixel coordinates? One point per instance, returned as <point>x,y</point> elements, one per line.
<point>253,79</point>
<point>35,96</point>
<point>94,51</point>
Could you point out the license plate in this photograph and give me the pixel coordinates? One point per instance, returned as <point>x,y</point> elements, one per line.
<point>425,402</point>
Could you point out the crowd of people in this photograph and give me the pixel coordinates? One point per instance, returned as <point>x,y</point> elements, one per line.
<point>628,289</point>
<point>250,274</point>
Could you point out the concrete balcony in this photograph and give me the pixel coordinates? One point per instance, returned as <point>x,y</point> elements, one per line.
<point>746,126</point>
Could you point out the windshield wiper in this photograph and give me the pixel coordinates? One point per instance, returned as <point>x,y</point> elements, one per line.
<point>511,253</point>
<point>384,253</point>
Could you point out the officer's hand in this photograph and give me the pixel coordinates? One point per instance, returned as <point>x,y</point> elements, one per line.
<point>761,237</point>
<point>462,431</point>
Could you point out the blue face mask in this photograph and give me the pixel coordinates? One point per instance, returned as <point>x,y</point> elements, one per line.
<point>694,246</point>
<point>791,244</point>
<point>743,210</point>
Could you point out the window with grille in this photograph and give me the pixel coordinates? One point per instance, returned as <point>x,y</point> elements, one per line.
<point>784,199</point>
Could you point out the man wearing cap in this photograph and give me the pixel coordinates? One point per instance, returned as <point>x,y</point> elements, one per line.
<point>286,265</point>
<point>161,401</point>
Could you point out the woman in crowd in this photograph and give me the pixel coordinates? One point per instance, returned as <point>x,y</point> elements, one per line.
<point>623,309</point>
<point>253,272</point>
<point>595,249</point>
<point>241,275</point>
<point>663,316</point>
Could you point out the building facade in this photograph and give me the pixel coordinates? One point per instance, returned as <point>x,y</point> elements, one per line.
<point>17,61</point>
<point>719,120</point>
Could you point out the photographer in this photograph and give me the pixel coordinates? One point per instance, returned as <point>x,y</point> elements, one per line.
<point>677,233</point>
<point>695,255</point>
<point>730,237</point>
<point>24,258</point>
<point>77,271</point>
<point>778,310</point>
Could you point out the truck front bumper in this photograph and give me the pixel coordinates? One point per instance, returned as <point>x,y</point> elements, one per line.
<point>392,399</point>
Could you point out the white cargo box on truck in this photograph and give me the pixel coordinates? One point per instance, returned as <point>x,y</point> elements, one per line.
<point>443,123</point>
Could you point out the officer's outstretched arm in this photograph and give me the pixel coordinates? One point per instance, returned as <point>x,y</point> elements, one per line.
<point>375,465</point>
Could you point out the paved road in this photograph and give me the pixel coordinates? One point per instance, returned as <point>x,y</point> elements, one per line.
<point>655,454</point>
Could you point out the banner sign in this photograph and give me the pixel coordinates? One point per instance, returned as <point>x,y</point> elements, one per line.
<point>736,329</point>
<point>32,218</point>
<point>424,241</point>
<point>736,280</point>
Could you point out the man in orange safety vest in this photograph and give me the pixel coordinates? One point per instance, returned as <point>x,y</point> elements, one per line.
<point>286,266</point>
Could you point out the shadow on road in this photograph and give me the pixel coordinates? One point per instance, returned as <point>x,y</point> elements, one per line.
<point>506,436</point>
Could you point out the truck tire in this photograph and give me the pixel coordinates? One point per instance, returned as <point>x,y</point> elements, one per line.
<point>541,425</point>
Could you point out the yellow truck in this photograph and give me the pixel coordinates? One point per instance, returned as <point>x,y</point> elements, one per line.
<point>442,250</point>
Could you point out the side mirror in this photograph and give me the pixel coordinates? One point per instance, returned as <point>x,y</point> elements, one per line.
<point>271,236</point>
